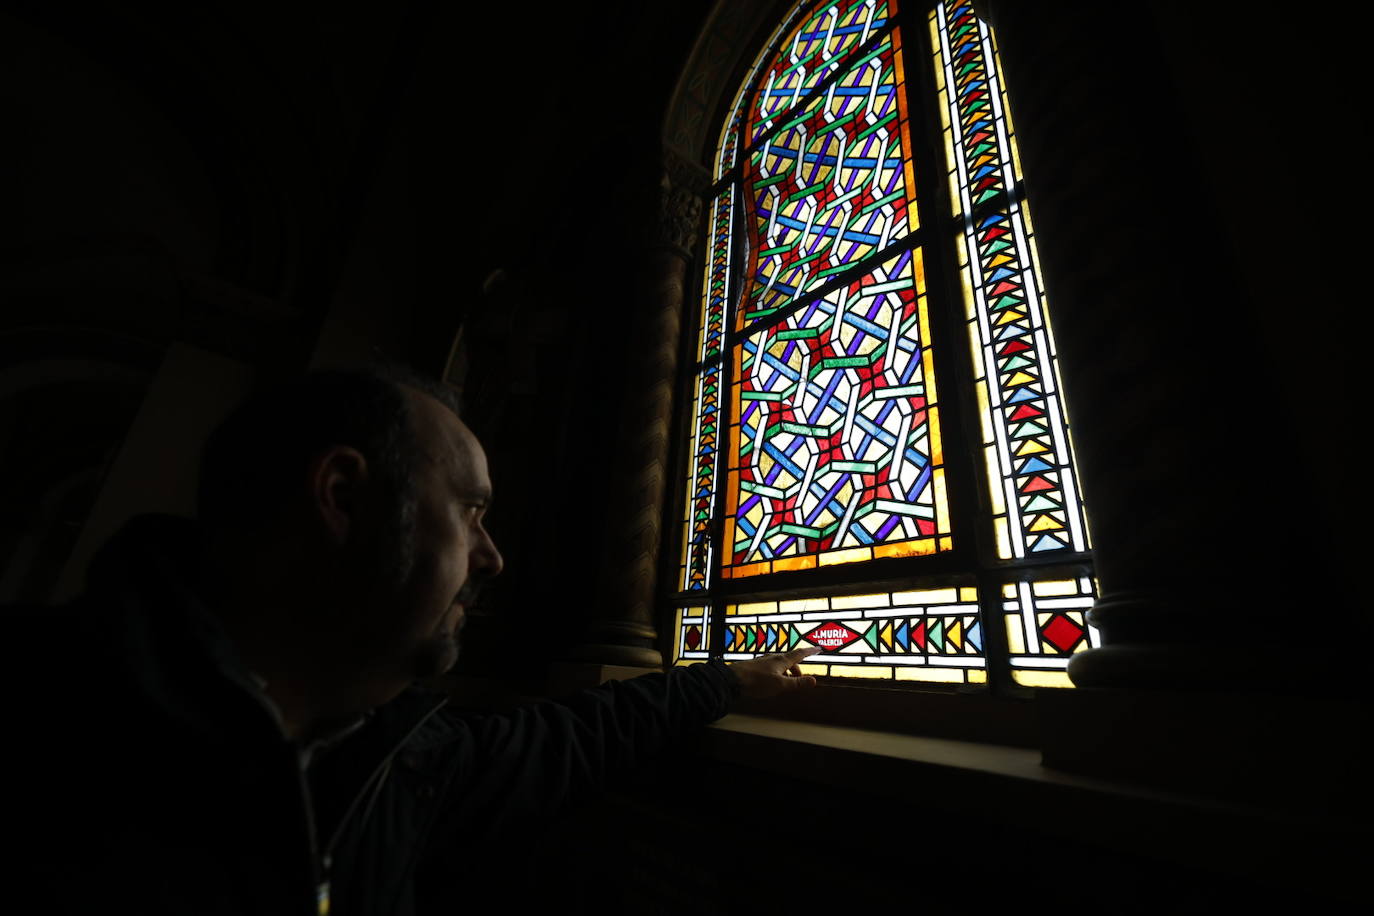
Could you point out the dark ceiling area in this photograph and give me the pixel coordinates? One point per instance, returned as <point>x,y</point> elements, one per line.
<point>248,143</point>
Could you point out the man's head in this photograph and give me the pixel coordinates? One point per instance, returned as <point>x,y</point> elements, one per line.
<point>450,554</point>
<point>366,492</point>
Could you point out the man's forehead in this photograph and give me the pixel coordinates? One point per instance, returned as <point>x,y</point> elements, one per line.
<point>448,441</point>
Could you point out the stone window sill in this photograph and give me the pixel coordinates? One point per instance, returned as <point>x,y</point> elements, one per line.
<point>1295,836</point>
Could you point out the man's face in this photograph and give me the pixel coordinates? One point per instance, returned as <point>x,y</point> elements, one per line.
<point>452,552</point>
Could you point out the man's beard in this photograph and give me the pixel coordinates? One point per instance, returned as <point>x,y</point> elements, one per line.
<point>395,563</point>
<point>439,654</point>
<point>436,655</point>
<point>392,565</point>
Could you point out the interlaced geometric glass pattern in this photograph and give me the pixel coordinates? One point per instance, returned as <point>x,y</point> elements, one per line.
<point>819,480</point>
<point>728,146</point>
<point>836,449</point>
<point>813,53</point>
<point>814,47</point>
<point>831,186</point>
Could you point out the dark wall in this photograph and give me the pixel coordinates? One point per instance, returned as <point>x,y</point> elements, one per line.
<point>280,186</point>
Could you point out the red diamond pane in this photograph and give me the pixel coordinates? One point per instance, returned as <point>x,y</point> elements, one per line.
<point>693,637</point>
<point>1062,633</point>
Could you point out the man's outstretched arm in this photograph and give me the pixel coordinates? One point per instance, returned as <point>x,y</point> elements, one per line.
<point>532,761</point>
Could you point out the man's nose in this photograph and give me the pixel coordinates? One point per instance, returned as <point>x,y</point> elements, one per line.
<point>487,558</point>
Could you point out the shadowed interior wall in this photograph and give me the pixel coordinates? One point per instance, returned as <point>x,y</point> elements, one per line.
<point>236,191</point>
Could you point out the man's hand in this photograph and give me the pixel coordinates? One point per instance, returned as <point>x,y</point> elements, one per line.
<point>770,675</point>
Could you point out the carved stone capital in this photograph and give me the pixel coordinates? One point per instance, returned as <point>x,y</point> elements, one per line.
<point>682,184</point>
<point>683,172</point>
<point>618,642</point>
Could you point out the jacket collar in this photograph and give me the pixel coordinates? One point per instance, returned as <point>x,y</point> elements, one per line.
<point>172,649</point>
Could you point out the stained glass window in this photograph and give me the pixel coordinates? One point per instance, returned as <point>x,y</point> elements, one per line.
<point>879,455</point>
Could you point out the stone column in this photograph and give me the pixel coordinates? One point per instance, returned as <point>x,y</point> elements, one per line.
<point>625,632</point>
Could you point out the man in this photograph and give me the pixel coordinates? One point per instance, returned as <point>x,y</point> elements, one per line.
<point>235,729</point>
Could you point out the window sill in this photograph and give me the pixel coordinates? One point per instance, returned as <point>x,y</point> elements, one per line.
<point>963,713</point>
<point>1281,844</point>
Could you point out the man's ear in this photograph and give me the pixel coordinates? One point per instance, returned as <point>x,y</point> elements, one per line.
<point>338,476</point>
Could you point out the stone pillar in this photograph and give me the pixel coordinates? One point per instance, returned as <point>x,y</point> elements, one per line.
<point>624,633</point>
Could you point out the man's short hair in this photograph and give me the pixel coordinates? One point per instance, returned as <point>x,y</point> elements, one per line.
<point>253,462</point>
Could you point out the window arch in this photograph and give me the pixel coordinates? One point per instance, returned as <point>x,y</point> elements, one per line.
<point>880,461</point>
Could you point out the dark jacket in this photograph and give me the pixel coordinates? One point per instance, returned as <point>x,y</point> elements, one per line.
<point>146,771</point>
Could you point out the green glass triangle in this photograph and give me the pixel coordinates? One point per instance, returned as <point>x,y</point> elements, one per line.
<point>1029,428</point>
<point>935,634</point>
<point>871,636</point>
<point>1041,504</point>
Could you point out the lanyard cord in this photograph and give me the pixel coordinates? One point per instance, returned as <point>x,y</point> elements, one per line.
<point>372,788</point>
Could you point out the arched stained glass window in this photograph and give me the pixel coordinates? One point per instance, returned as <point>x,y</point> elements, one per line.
<point>880,462</point>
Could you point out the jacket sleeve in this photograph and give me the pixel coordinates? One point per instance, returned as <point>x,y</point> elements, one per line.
<point>509,768</point>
